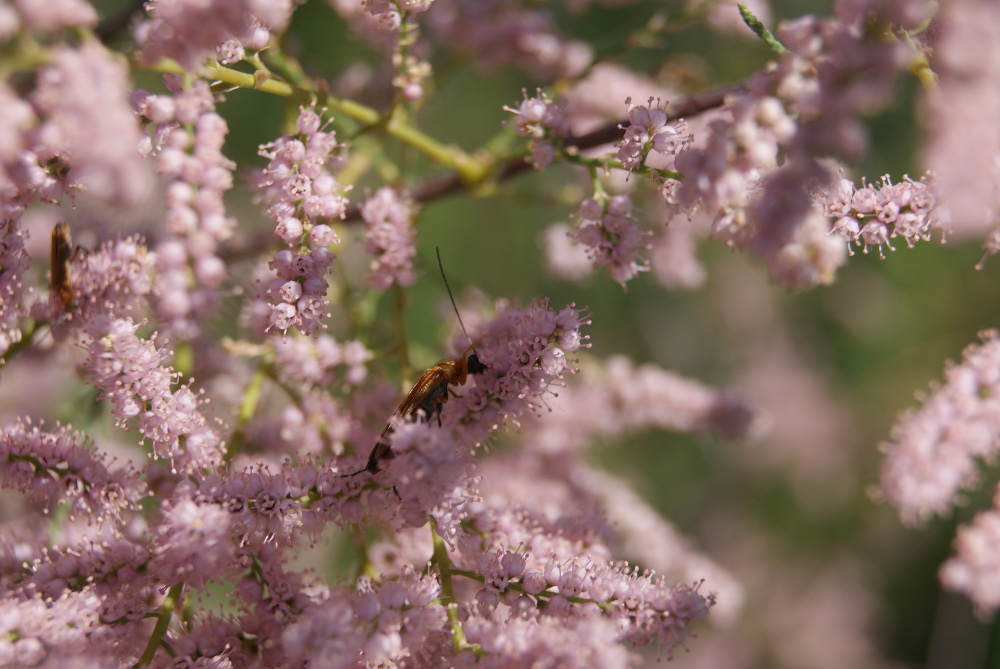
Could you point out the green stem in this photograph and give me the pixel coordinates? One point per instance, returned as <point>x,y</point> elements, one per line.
<point>248,407</point>
<point>288,68</point>
<point>442,561</point>
<point>24,343</point>
<point>469,169</point>
<point>754,24</point>
<point>162,622</point>
<point>399,307</point>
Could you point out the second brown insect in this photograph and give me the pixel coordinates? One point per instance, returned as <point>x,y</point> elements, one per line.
<point>62,254</point>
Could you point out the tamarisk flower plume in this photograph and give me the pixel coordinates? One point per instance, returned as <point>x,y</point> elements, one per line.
<point>649,133</point>
<point>973,569</point>
<point>127,370</point>
<point>58,467</point>
<point>962,141</point>
<point>14,262</point>
<point>189,31</point>
<point>543,121</point>
<point>934,456</point>
<point>605,403</point>
<point>389,233</point>
<point>755,167</point>
<point>525,352</point>
<point>933,453</point>
<point>301,194</point>
<point>610,233</point>
<point>97,144</point>
<point>873,215</point>
<point>496,33</point>
<point>187,140</point>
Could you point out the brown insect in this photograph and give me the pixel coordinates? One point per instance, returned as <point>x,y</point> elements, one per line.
<point>429,393</point>
<point>62,256</point>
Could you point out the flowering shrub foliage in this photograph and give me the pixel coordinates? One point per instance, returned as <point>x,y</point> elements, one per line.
<point>240,361</point>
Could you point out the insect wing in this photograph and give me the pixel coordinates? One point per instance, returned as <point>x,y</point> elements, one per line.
<point>431,384</point>
<point>62,254</point>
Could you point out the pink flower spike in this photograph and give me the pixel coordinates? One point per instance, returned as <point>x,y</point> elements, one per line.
<point>389,235</point>
<point>934,449</point>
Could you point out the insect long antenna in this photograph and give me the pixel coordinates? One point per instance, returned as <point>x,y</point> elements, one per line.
<point>452,297</point>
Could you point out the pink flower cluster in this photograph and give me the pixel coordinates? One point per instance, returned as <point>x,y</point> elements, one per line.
<point>543,121</point>
<point>648,131</point>
<point>46,16</point>
<point>301,193</point>
<point>389,234</point>
<point>97,143</point>
<point>236,525</point>
<point>810,104</point>
<point>187,140</point>
<point>621,397</point>
<point>52,632</point>
<point>502,32</point>
<point>21,171</point>
<point>875,214</point>
<point>961,141</point>
<point>525,354</point>
<point>320,422</point>
<point>973,569</point>
<point>128,371</point>
<point>13,264</point>
<point>722,170</point>
<point>384,623</point>
<point>193,544</point>
<point>59,467</point>
<point>233,50</point>
<point>638,607</point>
<point>189,31</point>
<point>934,449</point>
<point>612,236</point>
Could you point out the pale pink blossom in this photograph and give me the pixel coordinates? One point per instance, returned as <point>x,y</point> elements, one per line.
<point>86,123</point>
<point>389,235</point>
<point>194,545</point>
<point>14,262</point>
<point>974,570</point>
<point>962,144</point>
<point>935,449</point>
<point>189,136</point>
<point>302,197</point>
<point>500,32</point>
<point>612,236</point>
<point>565,256</point>
<point>128,371</point>
<point>650,130</point>
<point>540,119</point>
<point>189,31</point>
<point>875,214</point>
<point>49,16</point>
<point>59,467</point>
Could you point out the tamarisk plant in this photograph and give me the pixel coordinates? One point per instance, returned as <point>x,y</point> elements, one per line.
<point>228,319</point>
